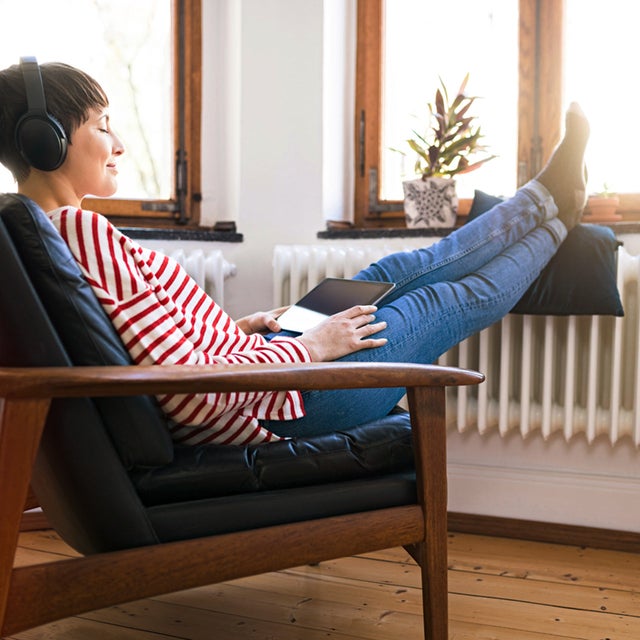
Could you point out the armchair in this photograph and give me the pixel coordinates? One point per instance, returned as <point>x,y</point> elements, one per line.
<point>79,425</point>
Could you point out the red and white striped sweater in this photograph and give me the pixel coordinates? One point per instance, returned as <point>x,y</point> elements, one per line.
<point>164,317</point>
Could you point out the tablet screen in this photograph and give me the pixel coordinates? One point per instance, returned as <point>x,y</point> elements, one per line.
<point>337,294</point>
<point>331,296</point>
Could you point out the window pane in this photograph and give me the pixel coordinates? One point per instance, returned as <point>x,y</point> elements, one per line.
<point>601,51</point>
<point>127,46</point>
<point>425,40</point>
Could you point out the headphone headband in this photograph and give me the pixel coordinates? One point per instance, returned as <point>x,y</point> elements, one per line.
<point>33,84</point>
<point>40,138</point>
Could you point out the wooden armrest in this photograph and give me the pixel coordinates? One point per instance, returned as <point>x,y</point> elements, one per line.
<point>54,382</point>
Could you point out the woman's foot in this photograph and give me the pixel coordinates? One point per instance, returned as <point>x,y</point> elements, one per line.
<point>565,175</point>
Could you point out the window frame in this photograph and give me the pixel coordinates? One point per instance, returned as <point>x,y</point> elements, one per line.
<point>183,208</point>
<point>539,106</point>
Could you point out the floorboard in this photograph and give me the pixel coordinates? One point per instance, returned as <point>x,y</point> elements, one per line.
<point>500,589</point>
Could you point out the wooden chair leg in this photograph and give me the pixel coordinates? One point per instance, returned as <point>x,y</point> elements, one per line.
<point>21,424</point>
<point>427,407</point>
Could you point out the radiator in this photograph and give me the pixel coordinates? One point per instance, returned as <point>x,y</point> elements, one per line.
<point>545,374</point>
<point>208,268</point>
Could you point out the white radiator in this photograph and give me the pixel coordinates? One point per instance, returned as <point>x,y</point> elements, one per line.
<point>208,268</point>
<point>575,374</point>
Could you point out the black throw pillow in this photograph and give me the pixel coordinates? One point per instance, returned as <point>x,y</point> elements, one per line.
<point>580,279</point>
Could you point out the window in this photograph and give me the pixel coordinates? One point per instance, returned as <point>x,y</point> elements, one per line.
<point>601,50</point>
<point>409,82</point>
<point>526,61</point>
<point>146,55</point>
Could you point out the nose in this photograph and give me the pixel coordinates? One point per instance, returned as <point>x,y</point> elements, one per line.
<point>118,147</point>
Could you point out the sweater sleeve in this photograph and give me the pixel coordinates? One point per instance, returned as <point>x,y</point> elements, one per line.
<point>164,317</point>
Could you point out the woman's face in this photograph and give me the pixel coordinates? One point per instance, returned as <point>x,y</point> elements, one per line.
<point>92,156</point>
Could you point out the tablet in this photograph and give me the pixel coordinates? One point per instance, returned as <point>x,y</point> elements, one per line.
<point>331,296</point>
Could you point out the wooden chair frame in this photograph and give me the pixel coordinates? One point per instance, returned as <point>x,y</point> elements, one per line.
<point>72,586</point>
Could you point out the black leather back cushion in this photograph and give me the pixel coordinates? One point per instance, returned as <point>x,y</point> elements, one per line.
<point>136,425</point>
<point>78,476</point>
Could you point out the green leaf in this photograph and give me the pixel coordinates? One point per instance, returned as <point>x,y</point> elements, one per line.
<point>451,137</point>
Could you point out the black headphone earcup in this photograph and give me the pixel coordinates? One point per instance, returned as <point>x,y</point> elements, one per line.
<point>42,141</point>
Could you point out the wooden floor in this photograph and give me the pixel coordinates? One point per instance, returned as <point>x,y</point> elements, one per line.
<point>499,589</point>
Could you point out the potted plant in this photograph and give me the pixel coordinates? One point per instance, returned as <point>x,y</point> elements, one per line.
<point>602,206</point>
<point>444,151</point>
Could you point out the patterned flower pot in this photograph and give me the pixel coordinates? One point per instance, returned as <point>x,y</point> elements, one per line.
<point>431,202</point>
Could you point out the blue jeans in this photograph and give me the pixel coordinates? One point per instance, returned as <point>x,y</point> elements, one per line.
<point>444,293</point>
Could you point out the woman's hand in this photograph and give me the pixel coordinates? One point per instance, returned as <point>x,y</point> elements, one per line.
<point>261,322</point>
<point>343,333</point>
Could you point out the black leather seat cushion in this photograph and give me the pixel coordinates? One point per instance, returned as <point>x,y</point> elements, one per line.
<point>268,508</point>
<point>379,447</point>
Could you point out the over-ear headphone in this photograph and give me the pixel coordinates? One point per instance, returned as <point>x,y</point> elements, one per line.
<point>40,138</point>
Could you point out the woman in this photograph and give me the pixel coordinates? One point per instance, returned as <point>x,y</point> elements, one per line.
<point>443,294</point>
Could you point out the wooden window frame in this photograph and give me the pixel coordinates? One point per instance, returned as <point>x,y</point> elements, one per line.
<point>183,208</point>
<point>539,106</point>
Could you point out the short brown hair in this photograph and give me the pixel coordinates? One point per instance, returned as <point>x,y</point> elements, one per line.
<point>70,95</point>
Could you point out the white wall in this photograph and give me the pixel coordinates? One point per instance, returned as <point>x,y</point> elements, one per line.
<point>267,121</point>
<point>594,485</point>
